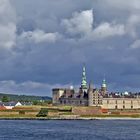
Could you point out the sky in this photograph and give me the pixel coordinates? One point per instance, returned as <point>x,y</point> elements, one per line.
<point>44,44</point>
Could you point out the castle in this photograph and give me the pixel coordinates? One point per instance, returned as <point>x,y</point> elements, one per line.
<point>90,96</point>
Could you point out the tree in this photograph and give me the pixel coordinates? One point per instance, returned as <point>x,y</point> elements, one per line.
<point>5,99</point>
<point>42,113</point>
<point>35,102</point>
<point>48,102</point>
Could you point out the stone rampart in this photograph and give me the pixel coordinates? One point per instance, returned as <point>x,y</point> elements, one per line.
<point>86,110</point>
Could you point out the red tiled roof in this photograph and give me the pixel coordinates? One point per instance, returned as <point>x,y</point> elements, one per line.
<point>2,108</point>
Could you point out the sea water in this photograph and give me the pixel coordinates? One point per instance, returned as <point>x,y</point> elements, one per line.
<point>69,130</point>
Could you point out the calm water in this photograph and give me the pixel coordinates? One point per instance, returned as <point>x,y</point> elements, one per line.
<point>70,130</point>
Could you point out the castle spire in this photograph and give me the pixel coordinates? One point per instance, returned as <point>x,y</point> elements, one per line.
<point>84,82</point>
<point>104,83</point>
<point>104,87</point>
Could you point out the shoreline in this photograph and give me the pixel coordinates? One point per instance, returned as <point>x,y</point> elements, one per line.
<point>79,118</point>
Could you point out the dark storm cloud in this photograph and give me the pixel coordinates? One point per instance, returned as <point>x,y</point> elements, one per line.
<point>44,44</point>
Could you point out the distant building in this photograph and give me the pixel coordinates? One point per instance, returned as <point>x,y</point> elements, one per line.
<point>89,96</point>
<point>9,105</point>
<point>26,103</point>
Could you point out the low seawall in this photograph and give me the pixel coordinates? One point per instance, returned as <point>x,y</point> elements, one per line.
<point>86,110</point>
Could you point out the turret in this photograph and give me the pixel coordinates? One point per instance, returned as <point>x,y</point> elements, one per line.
<point>84,82</point>
<point>57,94</point>
<point>104,87</point>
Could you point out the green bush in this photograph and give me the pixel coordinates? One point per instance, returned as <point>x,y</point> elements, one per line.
<point>42,113</point>
<point>21,112</point>
<point>5,99</point>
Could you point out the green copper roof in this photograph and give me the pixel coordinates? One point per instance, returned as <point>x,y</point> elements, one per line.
<point>84,82</point>
<point>104,83</point>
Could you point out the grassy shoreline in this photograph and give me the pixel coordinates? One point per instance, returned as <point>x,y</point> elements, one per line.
<point>86,119</point>
<point>62,113</point>
<point>67,118</point>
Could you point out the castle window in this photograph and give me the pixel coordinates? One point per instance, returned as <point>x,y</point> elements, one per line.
<point>123,107</point>
<point>99,102</point>
<point>131,107</point>
<point>123,102</point>
<point>116,107</point>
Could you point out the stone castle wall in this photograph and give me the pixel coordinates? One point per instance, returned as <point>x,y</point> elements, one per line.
<point>86,110</point>
<point>121,103</point>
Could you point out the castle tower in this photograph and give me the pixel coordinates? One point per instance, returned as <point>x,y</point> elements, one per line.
<point>90,86</point>
<point>104,87</point>
<point>90,94</point>
<point>84,82</point>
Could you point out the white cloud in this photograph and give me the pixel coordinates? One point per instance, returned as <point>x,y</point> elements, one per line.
<point>7,24</point>
<point>7,35</point>
<point>80,23</point>
<point>132,24</point>
<point>26,63</point>
<point>125,4</point>
<point>39,36</point>
<point>29,87</point>
<point>105,30</point>
<point>125,12</point>
<point>135,45</point>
